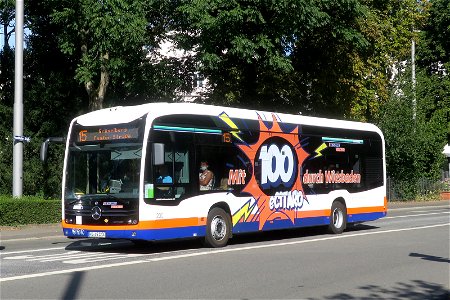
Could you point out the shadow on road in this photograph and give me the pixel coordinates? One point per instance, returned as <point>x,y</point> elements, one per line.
<point>430,257</point>
<point>414,290</point>
<point>143,247</point>
<point>74,286</point>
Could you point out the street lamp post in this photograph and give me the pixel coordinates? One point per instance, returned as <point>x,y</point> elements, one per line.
<point>18,104</point>
<point>413,75</point>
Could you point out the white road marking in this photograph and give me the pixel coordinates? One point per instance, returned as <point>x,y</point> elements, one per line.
<point>33,238</point>
<point>65,256</point>
<point>104,258</point>
<point>417,215</point>
<point>32,250</point>
<point>74,257</point>
<point>187,255</point>
<point>426,211</point>
<point>420,207</point>
<point>45,256</point>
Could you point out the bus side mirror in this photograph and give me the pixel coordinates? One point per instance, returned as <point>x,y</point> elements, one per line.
<point>158,154</point>
<point>44,146</point>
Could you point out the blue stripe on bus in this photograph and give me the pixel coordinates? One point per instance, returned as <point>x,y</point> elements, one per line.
<point>365,217</point>
<point>145,234</point>
<point>199,231</point>
<point>187,129</point>
<point>339,140</point>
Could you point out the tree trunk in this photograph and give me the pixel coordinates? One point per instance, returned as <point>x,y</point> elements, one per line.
<point>97,95</point>
<point>5,35</point>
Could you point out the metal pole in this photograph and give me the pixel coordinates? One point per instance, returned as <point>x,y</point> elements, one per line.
<point>413,74</point>
<point>18,104</point>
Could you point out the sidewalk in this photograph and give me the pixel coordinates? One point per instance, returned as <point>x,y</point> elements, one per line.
<point>49,230</point>
<point>406,204</point>
<point>30,231</point>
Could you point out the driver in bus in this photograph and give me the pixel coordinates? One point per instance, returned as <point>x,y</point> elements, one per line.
<point>206,177</point>
<point>164,176</point>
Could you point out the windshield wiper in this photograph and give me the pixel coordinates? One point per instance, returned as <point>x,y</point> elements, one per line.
<point>73,201</point>
<point>111,196</point>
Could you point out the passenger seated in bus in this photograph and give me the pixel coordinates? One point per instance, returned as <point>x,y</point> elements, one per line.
<point>224,184</point>
<point>206,177</point>
<point>164,176</point>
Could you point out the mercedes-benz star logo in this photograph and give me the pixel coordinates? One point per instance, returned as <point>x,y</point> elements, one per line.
<point>96,212</point>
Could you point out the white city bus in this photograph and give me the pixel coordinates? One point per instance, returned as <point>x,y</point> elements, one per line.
<point>270,171</point>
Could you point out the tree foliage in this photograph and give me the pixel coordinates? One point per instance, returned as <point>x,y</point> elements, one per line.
<point>7,13</point>
<point>389,26</point>
<point>345,59</point>
<point>414,147</point>
<point>291,53</point>
<point>435,47</point>
<point>104,36</point>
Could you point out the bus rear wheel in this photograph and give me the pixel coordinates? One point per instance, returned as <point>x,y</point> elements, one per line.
<point>218,228</point>
<point>338,218</point>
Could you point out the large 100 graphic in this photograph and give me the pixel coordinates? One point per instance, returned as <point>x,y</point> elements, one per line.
<point>276,177</point>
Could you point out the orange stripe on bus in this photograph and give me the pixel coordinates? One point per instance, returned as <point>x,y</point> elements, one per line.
<point>153,224</point>
<point>363,210</point>
<point>313,213</point>
<point>300,214</point>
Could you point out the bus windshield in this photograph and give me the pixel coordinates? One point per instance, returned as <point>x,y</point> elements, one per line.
<point>103,168</point>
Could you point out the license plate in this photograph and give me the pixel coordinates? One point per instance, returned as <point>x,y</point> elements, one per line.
<point>97,234</point>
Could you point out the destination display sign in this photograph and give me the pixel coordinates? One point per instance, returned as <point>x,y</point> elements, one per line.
<point>107,134</point>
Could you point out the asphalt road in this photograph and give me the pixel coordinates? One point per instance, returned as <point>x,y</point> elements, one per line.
<point>402,256</point>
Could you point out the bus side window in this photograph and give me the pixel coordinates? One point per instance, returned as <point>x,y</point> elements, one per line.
<point>227,165</point>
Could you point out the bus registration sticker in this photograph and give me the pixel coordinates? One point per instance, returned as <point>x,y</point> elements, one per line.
<point>97,234</point>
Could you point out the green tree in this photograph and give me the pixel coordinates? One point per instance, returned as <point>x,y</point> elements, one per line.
<point>6,96</point>
<point>389,26</point>
<point>6,119</point>
<point>285,53</point>
<point>434,51</point>
<point>434,57</point>
<point>7,14</point>
<point>104,37</point>
<point>325,55</point>
<point>329,58</point>
<point>414,147</point>
<point>52,97</point>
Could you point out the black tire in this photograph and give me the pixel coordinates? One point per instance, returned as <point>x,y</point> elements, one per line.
<point>338,218</point>
<point>218,228</point>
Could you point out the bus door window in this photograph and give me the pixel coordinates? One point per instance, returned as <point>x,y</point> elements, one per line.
<point>181,170</point>
<point>172,179</point>
<point>164,175</point>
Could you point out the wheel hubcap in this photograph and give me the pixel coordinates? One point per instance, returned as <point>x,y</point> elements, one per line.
<point>218,228</point>
<point>338,218</point>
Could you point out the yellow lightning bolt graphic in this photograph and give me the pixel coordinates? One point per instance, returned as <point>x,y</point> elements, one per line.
<point>318,150</point>
<point>244,212</point>
<point>235,132</point>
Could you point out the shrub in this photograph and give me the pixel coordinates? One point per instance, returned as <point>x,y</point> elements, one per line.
<point>28,210</point>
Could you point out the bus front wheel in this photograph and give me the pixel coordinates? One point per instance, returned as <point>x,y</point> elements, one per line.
<point>338,218</point>
<point>218,228</point>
